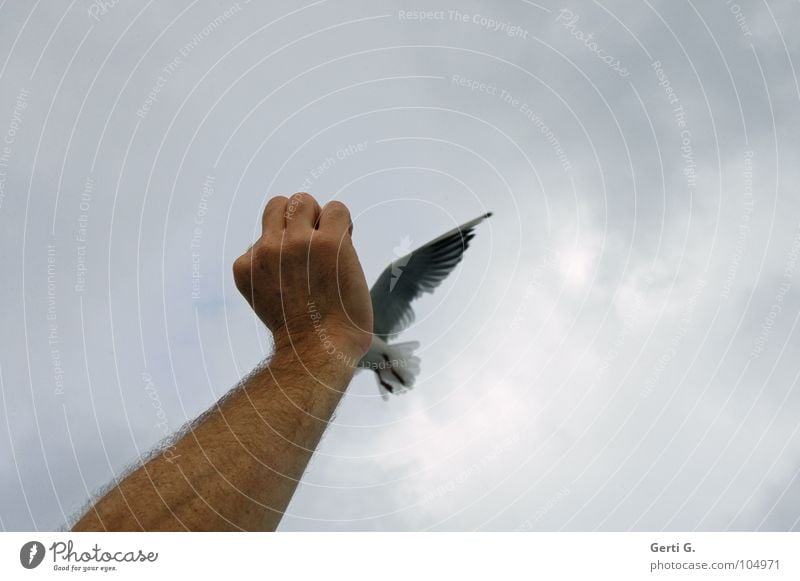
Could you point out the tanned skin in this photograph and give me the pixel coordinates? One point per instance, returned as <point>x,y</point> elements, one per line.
<point>237,467</point>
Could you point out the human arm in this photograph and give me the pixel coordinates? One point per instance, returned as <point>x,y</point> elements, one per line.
<point>239,464</point>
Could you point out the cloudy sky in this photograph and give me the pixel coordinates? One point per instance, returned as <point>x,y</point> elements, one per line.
<point>617,351</point>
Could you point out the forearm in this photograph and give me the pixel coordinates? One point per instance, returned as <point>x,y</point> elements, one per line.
<point>239,466</point>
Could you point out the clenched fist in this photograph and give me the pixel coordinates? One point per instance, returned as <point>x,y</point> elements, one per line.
<point>303,279</point>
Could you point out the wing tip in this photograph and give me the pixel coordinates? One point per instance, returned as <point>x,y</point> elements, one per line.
<point>488,214</point>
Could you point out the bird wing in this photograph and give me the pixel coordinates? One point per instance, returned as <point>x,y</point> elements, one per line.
<point>406,278</point>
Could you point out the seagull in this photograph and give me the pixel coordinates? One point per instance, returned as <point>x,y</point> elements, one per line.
<point>404,280</point>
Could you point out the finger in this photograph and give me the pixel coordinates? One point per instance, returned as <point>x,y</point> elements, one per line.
<point>274,217</point>
<point>302,212</point>
<point>335,218</point>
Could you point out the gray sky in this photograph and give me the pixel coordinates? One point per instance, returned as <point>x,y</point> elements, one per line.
<point>617,351</point>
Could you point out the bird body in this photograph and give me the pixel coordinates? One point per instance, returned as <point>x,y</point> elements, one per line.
<point>404,280</point>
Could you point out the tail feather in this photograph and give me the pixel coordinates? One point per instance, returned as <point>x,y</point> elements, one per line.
<point>400,369</point>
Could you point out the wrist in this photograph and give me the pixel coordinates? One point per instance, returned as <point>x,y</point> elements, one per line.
<point>316,352</point>
<point>322,338</point>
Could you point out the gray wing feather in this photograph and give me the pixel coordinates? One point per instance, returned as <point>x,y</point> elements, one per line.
<point>406,278</point>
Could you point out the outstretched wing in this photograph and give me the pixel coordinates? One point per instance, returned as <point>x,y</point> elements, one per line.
<point>408,277</point>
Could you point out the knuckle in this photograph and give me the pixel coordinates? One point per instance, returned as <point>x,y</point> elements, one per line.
<point>336,207</point>
<point>275,202</point>
<point>300,198</point>
<point>241,269</point>
<point>297,201</point>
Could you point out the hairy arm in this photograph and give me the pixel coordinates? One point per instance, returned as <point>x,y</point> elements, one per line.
<point>238,465</point>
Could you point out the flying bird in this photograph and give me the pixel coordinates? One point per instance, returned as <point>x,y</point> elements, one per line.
<point>404,280</point>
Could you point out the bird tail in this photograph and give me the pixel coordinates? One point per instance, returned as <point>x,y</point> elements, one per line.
<point>400,368</point>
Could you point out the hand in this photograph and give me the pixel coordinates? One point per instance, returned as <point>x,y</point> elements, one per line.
<point>303,279</point>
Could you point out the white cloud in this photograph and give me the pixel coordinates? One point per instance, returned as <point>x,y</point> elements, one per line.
<point>589,365</point>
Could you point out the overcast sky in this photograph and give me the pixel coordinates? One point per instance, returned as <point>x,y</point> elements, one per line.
<point>617,351</point>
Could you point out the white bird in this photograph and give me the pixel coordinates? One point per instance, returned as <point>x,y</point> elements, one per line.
<point>404,280</point>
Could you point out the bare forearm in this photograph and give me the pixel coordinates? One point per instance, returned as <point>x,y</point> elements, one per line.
<point>239,466</point>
